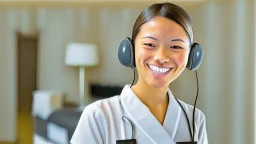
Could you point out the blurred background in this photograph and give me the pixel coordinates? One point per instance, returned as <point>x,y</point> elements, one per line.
<point>36,81</point>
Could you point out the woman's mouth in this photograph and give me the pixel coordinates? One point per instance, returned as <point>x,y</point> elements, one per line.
<point>159,71</point>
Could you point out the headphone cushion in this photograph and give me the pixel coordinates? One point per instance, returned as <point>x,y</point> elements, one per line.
<point>126,53</point>
<point>195,57</point>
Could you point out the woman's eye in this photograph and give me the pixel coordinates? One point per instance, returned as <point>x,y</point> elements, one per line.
<point>176,47</point>
<point>149,44</point>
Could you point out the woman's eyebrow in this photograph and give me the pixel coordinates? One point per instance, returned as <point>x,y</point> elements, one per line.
<point>178,40</point>
<point>150,38</point>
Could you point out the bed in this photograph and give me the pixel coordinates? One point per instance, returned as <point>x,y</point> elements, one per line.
<point>56,126</point>
<point>59,126</point>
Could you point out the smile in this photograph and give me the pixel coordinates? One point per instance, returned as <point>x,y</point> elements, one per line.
<point>158,70</point>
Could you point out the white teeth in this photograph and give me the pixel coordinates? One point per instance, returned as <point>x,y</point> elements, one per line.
<point>158,70</point>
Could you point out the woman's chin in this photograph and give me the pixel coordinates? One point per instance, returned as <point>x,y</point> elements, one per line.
<point>159,85</point>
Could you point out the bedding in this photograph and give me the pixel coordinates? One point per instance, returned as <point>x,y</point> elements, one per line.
<point>56,125</point>
<point>59,127</point>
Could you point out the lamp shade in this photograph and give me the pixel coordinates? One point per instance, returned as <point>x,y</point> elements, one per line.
<point>81,54</point>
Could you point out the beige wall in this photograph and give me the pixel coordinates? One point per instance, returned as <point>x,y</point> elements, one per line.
<point>254,59</point>
<point>7,78</point>
<point>62,26</point>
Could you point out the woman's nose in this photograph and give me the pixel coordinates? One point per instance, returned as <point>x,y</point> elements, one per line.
<point>161,56</point>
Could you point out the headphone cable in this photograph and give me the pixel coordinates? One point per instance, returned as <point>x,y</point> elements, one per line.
<point>195,106</point>
<point>133,78</point>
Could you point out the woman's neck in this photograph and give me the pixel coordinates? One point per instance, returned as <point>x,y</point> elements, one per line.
<point>155,99</point>
<point>149,95</point>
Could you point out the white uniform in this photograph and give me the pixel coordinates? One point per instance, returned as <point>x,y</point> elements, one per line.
<point>101,122</point>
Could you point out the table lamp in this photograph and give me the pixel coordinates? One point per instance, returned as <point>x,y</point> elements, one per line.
<point>81,55</point>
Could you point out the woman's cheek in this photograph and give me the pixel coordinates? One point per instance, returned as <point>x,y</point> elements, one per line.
<point>181,59</point>
<point>142,55</point>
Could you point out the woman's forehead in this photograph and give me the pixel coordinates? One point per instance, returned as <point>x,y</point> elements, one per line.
<point>162,27</point>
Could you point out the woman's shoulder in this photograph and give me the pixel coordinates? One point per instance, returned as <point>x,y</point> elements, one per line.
<point>103,106</point>
<point>105,102</point>
<point>93,124</point>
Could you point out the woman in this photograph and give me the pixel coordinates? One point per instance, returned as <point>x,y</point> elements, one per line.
<point>148,112</point>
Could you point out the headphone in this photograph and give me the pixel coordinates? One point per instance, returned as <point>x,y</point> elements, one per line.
<point>126,55</point>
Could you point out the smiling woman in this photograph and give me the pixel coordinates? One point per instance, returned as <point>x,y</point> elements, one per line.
<point>160,49</point>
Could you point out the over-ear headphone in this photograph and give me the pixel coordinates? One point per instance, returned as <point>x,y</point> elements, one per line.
<point>126,54</point>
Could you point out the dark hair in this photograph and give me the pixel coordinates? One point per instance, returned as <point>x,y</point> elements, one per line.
<point>167,10</point>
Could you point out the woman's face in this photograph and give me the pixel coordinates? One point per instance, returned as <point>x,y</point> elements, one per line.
<point>161,52</point>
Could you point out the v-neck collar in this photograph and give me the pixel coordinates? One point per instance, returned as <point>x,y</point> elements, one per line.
<point>141,116</point>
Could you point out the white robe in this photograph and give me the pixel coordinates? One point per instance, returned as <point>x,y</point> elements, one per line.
<point>100,122</point>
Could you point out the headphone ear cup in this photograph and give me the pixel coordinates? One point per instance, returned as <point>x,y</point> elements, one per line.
<point>126,53</point>
<point>195,57</point>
